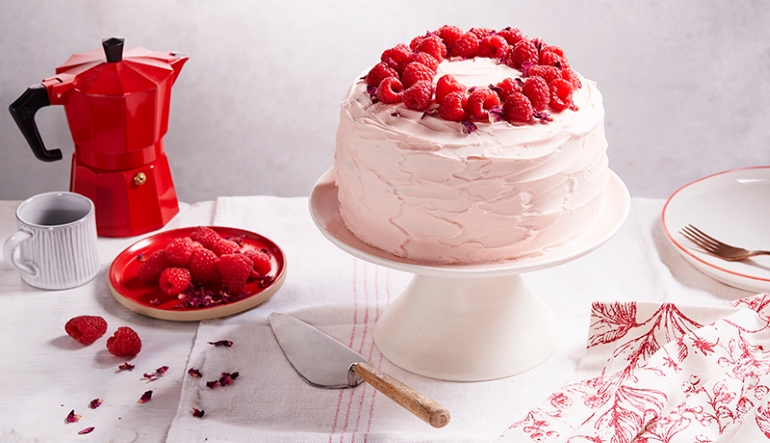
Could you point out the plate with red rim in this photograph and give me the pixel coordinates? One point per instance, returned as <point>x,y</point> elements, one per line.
<point>734,207</point>
<point>148,299</point>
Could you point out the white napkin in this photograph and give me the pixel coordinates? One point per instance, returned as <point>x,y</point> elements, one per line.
<point>343,296</point>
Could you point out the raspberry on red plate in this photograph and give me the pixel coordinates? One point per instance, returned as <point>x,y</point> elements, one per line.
<point>379,72</point>
<point>173,281</point>
<point>536,90</point>
<point>452,107</point>
<point>419,96</point>
<point>203,267</point>
<point>179,251</point>
<point>390,90</point>
<point>125,342</point>
<point>524,51</point>
<point>561,94</point>
<point>414,73</point>
<point>518,108</point>
<point>149,271</point>
<point>432,45</point>
<point>481,101</point>
<point>86,329</point>
<point>511,35</point>
<point>446,85</point>
<point>450,34</point>
<point>397,57</point>
<point>467,46</point>
<point>235,270</point>
<point>262,264</point>
<point>507,87</point>
<point>205,236</point>
<point>223,247</point>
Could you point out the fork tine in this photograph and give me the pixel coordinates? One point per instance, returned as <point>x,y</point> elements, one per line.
<point>704,234</point>
<point>708,247</point>
<point>703,239</point>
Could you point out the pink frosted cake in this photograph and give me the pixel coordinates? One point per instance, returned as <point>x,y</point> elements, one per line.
<point>471,147</point>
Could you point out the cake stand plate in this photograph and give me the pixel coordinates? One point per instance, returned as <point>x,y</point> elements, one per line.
<point>466,322</point>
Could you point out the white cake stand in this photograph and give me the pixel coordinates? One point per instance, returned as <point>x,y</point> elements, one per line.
<point>466,322</point>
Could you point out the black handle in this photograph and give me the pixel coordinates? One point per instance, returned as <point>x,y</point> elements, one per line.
<point>113,49</point>
<point>23,111</point>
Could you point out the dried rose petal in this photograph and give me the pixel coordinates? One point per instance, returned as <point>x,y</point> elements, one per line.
<point>141,257</point>
<point>232,375</point>
<point>195,373</point>
<point>542,116</point>
<point>86,430</point>
<point>72,417</point>
<point>212,384</point>
<point>469,127</point>
<point>150,377</point>
<point>198,412</point>
<point>496,114</point>
<point>225,380</point>
<point>155,302</point>
<point>161,370</point>
<point>226,343</point>
<point>147,396</point>
<point>95,403</point>
<point>126,366</point>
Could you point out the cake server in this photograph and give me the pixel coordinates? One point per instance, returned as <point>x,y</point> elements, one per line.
<point>324,362</point>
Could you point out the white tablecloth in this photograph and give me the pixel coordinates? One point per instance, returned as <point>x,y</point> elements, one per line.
<point>45,374</point>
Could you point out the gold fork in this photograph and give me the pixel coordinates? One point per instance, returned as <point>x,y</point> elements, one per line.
<point>716,247</point>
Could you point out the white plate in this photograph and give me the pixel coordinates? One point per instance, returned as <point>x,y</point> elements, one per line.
<point>734,207</point>
<point>324,208</point>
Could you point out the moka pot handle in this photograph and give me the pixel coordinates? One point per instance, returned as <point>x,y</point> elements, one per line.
<point>23,111</point>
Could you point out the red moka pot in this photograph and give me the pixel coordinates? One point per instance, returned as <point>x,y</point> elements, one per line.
<point>117,107</point>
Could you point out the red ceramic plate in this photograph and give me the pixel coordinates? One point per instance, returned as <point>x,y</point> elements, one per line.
<point>148,299</point>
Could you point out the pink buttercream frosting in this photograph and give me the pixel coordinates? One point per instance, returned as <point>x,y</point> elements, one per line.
<point>418,187</point>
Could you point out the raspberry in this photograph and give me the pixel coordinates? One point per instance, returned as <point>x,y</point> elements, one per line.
<point>223,247</point>
<point>446,85</point>
<point>536,90</point>
<point>481,101</point>
<point>425,59</point>
<point>179,251</point>
<point>549,58</point>
<point>433,46</point>
<point>523,51</point>
<point>419,96</point>
<point>261,261</point>
<point>379,72</point>
<point>235,270</point>
<point>481,32</point>
<point>203,267</point>
<point>517,108</point>
<point>414,73</point>
<point>390,90</point>
<point>396,57</point>
<point>205,236</point>
<point>555,49</point>
<point>561,94</point>
<point>507,87</point>
<point>452,107</point>
<point>125,342</point>
<point>466,46</point>
<point>511,35</point>
<point>416,41</point>
<point>549,73</point>
<point>572,77</point>
<point>150,270</point>
<point>173,281</point>
<point>492,46</point>
<point>86,329</point>
<point>449,34</point>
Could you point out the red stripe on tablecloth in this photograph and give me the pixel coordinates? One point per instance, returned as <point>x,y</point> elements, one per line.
<point>380,360</point>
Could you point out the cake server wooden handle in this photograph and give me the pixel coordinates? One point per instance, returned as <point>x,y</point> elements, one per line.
<point>418,404</point>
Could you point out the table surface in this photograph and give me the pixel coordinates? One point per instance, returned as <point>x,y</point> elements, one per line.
<point>46,374</point>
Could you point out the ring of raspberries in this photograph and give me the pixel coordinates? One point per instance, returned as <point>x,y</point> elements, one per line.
<point>205,269</point>
<point>406,73</point>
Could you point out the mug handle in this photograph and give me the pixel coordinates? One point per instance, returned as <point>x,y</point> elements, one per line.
<point>9,249</point>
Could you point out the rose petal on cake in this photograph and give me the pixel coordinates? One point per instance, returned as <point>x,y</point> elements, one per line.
<point>126,367</point>
<point>542,116</point>
<point>225,380</point>
<point>161,370</point>
<point>212,384</point>
<point>468,127</point>
<point>195,373</point>
<point>72,417</point>
<point>496,114</point>
<point>525,68</point>
<point>87,430</point>
<point>146,397</point>
<point>95,403</point>
<point>198,412</point>
<point>225,343</point>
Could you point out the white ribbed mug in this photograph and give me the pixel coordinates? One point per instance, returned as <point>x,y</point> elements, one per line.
<point>56,241</point>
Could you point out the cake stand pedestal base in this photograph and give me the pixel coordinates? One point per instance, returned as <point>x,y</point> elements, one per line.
<point>466,329</point>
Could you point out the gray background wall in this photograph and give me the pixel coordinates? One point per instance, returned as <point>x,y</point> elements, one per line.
<point>686,84</point>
